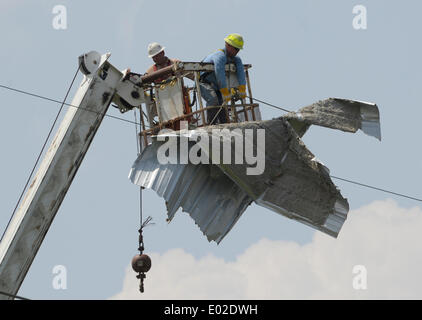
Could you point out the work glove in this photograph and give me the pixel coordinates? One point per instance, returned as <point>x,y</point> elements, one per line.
<point>242,91</point>
<point>239,92</point>
<point>226,95</point>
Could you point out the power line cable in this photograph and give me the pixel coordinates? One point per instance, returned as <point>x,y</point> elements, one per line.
<point>270,105</point>
<point>261,101</point>
<point>138,149</point>
<point>57,101</point>
<point>347,180</point>
<point>376,188</point>
<point>13,296</point>
<point>136,132</point>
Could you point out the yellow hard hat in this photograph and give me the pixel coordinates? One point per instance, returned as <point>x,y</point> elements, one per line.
<point>235,40</point>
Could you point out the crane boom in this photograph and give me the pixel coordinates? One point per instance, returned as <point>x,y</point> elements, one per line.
<point>23,237</point>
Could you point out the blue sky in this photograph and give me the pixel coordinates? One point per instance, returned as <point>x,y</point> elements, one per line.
<point>301,52</point>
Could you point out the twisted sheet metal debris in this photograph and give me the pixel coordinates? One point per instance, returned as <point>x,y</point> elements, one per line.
<point>341,114</point>
<point>293,184</point>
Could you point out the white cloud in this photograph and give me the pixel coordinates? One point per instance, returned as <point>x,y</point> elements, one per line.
<point>383,237</point>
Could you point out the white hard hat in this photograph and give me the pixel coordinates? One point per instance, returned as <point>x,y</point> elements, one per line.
<point>154,49</point>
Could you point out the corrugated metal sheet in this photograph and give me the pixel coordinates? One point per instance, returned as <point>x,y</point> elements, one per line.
<point>341,114</point>
<point>293,184</point>
<point>213,201</point>
<point>336,219</point>
<point>370,119</point>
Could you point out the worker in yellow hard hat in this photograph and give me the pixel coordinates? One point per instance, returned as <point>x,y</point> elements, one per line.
<point>214,87</point>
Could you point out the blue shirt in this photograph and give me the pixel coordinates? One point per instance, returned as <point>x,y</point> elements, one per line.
<point>219,59</point>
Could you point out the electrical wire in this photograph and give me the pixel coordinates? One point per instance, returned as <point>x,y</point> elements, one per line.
<point>347,180</point>
<point>136,132</point>
<point>57,101</point>
<point>138,142</point>
<point>13,296</point>
<point>261,101</point>
<point>375,188</point>
<point>269,104</point>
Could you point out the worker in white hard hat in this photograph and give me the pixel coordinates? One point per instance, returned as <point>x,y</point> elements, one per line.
<point>214,87</point>
<point>156,52</point>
